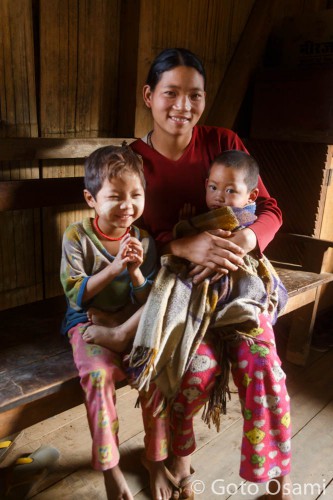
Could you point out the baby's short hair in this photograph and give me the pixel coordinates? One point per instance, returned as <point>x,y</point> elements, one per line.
<point>109,162</point>
<point>242,161</point>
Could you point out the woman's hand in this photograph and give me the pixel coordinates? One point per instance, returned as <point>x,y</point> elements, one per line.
<point>245,238</point>
<point>215,252</point>
<point>211,249</point>
<point>200,273</point>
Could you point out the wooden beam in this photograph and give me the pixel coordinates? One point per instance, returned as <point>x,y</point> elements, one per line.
<point>246,58</point>
<point>79,44</point>
<point>17,70</point>
<point>53,149</point>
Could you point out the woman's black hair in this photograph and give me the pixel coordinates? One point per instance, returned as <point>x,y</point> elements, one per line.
<point>169,59</point>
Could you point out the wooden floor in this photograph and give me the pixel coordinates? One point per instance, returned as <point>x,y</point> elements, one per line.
<point>217,454</point>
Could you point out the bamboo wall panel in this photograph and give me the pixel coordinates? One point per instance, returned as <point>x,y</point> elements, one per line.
<point>17,72</point>
<point>79,45</point>
<point>209,28</point>
<point>20,242</point>
<point>55,222</point>
<point>294,174</point>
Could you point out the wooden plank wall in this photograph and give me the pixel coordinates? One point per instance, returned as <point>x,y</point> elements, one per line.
<point>73,68</point>
<point>79,45</point>
<point>20,241</point>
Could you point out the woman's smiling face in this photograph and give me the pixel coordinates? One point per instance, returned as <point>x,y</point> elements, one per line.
<point>178,100</point>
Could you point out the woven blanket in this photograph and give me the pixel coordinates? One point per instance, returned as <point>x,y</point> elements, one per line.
<point>178,314</point>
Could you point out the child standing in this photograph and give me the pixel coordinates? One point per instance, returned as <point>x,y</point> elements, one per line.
<point>107,265</point>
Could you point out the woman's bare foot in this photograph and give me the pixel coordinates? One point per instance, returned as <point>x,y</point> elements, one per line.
<point>115,339</point>
<point>115,485</point>
<point>280,488</point>
<point>160,487</point>
<point>180,468</point>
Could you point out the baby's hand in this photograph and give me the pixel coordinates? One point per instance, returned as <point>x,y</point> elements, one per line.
<point>186,212</point>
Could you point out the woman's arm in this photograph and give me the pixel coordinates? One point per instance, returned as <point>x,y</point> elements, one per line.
<point>222,251</point>
<point>216,253</point>
<point>269,218</point>
<point>245,239</point>
<point>269,215</point>
<point>211,249</point>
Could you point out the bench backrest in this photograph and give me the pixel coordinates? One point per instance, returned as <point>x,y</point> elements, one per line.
<point>41,188</point>
<point>46,192</point>
<point>296,251</point>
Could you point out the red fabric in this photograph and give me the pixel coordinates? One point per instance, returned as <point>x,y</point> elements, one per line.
<point>170,184</point>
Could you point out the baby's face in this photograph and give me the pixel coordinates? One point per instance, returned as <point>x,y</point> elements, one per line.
<point>226,187</point>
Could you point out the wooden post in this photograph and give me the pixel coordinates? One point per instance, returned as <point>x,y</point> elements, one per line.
<point>143,121</point>
<point>128,65</point>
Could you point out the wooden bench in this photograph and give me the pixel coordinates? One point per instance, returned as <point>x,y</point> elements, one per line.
<point>299,261</point>
<point>38,376</point>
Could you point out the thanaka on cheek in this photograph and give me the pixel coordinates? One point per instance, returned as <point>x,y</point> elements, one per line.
<point>107,206</point>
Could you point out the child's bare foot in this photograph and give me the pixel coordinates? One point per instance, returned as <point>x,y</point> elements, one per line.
<point>101,318</point>
<point>112,338</point>
<point>105,318</point>
<point>160,487</point>
<point>280,488</point>
<point>115,485</point>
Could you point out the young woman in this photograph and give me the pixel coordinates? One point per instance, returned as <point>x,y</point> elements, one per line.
<point>177,154</point>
